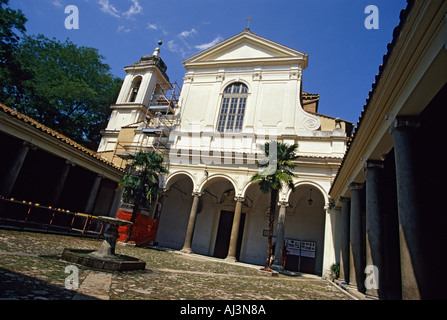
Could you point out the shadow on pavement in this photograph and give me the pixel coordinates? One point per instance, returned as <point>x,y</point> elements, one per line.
<point>17,286</point>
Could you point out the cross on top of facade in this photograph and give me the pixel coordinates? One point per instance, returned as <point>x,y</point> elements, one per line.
<point>249,20</point>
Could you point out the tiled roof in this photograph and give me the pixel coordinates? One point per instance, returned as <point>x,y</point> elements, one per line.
<point>11,112</point>
<point>310,96</point>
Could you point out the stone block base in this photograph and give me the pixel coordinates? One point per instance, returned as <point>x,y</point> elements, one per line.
<point>116,263</point>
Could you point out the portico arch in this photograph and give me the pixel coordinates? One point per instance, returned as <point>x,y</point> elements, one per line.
<point>175,211</point>
<point>216,216</point>
<point>176,176</point>
<point>309,183</point>
<point>208,181</point>
<point>305,221</point>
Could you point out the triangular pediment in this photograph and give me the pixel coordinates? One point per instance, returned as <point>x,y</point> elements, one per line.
<point>246,47</point>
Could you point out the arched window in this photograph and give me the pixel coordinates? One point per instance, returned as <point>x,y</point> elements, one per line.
<point>232,111</point>
<point>136,83</point>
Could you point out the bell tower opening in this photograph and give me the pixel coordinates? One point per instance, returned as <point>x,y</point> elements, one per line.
<point>136,83</point>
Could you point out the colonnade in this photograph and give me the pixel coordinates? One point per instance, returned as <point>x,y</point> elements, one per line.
<point>367,236</point>
<point>59,176</point>
<point>231,256</point>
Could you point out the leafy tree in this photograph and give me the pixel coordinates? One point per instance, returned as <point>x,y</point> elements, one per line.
<point>12,27</point>
<point>273,180</point>
<point>11,22</point>
<point>64,86</point>
<point>141,182</point>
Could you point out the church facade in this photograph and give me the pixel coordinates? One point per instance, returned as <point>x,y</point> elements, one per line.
<point>236,96</point>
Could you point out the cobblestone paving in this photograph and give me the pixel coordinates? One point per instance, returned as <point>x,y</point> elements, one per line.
<point>31,269</point>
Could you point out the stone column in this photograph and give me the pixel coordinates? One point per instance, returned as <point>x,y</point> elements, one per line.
<point>157,205</point>
<point>61,182</point>
<point>374,229</point>
<point>191,224</point>
<point>415,272</point>
<point>356,276</point>
<point>344,239</point>
<point>116,202</point>
<point>13,173</point>
<point>235,230</point>
<point>277,263</point>
<point>93,194</point>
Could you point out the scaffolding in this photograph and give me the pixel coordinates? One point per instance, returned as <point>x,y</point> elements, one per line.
<point>152,133</point>
<point>162,116</point>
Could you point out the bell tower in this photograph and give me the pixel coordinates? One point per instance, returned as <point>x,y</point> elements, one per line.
<point>144,81</point>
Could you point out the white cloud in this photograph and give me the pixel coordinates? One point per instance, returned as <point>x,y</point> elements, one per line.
<point>205,46</point>
<point>172,46</point>
<point>175,48</point>
<point>57,3</point>
<point>186,34</point>
<point>152,26</point>
<point>182,46</point>
<point>134,9</point>
<point>108,8</point>
<point>123,29</point>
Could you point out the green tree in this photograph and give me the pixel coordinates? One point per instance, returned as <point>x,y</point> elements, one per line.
<point>67,87</point>
<point>141,182</point>
<point>272,180</point>
<point>12,27</point>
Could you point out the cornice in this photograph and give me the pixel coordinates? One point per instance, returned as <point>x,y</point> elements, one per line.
<point>285,54</point>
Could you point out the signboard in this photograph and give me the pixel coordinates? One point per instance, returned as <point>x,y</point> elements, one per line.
<point>292,246</point>
<point>308,249</point>
<point>300,255</point>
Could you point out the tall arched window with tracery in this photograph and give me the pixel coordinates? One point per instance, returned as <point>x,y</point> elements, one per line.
<point>232,112</point>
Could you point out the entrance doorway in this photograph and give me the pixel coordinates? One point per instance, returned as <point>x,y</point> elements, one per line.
<point>224,234</point>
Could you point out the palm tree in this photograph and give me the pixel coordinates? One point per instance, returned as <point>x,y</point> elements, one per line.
<point>141,182</point>
<point>273,180</point>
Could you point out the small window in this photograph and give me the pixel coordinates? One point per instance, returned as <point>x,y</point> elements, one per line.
<point>232,112</point>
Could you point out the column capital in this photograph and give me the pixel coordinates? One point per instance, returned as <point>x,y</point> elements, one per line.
<point>405,122</point>
<point>344,199</point>
<point>197,194</point>
<point>29,145</point>
<point>69,162</point>
<point>283,203</point>
<point>239,199</point>
<point>373,164</point>
<point>356,186</point>
<point>330,204</point>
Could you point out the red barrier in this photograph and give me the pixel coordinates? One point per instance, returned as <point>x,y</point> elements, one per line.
<point>144,229</point>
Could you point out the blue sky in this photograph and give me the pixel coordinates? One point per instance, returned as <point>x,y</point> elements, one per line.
<point>344,56</point>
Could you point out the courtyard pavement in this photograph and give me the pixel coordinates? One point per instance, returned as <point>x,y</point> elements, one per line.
<point>31,268</point>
